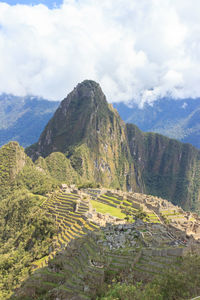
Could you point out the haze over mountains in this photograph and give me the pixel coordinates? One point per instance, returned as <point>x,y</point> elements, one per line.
<point>101,147</point>
<point>48,209</point>
<point>99,200</point>
<point>178,119</point>
<point>24,118</point>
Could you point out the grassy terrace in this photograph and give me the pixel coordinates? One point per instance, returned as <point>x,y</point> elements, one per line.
<point>173,214</point>
<point>71,224</point>
<point>114,205</point>
<point>106,208</point>
<point>151,217</point>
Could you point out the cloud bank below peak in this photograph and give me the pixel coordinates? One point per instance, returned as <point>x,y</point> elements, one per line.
<point>137,50</point>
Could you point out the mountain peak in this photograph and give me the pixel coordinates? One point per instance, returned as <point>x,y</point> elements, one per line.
<point>89,92</point>
<point>90,84</point>
<point>91,134</point>
<point>86,88</point>
<point>77,118</point>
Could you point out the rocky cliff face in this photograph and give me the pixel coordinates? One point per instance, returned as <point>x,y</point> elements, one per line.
<point>178,119</point>
<point>92,135</point>
<point>91,246</point>
<point>169,169</point>
<point>103,149</point>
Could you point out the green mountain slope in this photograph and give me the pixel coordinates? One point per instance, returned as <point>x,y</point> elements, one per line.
<point>178,119</point>
<point>91,134</point>
<point>101,148</point>
<point>170,169</point>
<point>18,171</point>
<point>25,230</point>
<point>142,257</point>
<point>77,243</point>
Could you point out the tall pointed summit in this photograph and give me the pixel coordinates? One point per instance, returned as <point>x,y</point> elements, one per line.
<point>103,149</point>
<point>90,132</point>
<point>77,117</point>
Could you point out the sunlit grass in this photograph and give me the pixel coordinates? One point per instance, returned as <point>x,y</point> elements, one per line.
<point>104,208</point>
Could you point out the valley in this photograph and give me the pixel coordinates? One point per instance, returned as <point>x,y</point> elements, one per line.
<point>97,208</point>
<point>99,150</point>
<point>152,235</point>
<point>176,118</point>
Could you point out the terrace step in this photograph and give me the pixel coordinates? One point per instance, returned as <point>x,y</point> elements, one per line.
<point>106,202</point>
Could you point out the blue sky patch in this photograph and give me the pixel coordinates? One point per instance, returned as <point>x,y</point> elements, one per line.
<point>49,3</point>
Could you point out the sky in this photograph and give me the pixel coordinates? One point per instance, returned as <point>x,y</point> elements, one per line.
<point>49,3</point>
<point>138,51</point>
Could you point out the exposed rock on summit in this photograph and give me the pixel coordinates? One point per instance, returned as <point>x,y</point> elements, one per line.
<point>92,135</point>
<point>103,149</point>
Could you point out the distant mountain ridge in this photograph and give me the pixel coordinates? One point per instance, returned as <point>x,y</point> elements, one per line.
<point>178,119</point>
<point>98,146</point>
<point>23,118</point>
<point>103,149</point>
<point>46,241</point>
<point>92,135</point>
<point>55,242</point>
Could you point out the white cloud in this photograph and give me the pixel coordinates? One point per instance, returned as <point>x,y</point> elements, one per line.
<point>139,50</point>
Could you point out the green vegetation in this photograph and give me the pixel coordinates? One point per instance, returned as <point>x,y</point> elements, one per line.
<point>25,236</point>
<point>17,171</point>
<point>12,160</point>
<point>92,136</point>
<point>104,208</point>
<point>136,214</point>
<point>35,180</point>
<point>119,279</point>
<point>181,281</point>
<point>97,148</point>
<point>58,167</point>
<point>168,168</point>
<point>25,231</point>
<point>88,185</point>
<point>100,148</point>
<point>167,117</point>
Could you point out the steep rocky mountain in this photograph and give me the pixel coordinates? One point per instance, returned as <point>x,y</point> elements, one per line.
<point>170,169</point>
<point>103,149</point>
<point>178,119</point>
<point>82,243</point>
<point>113,237</point>
<point>23,118</point>
<point>92,135</point>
